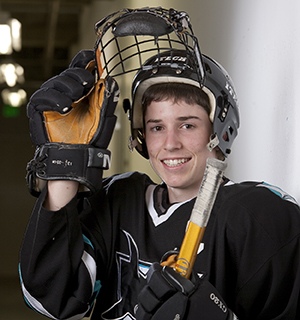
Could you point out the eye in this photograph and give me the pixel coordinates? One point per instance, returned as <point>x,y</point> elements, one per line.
<point>188,126</point>
<point>156,128</point>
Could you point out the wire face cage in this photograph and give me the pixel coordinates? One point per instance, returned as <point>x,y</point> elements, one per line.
<point>129,37</point>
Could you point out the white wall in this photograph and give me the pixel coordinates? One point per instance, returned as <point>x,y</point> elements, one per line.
<point>258,43</point>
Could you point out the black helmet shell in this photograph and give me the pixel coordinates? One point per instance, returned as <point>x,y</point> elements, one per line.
<point>179,66</point>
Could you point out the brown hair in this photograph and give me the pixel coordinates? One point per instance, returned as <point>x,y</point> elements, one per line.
<point>176,92</point>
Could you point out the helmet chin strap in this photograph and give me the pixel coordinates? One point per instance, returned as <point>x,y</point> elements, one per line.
<point>132,143</point>
<point>213,142</point>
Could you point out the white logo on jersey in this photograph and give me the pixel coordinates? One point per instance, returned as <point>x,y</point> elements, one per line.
<point>201,248</point>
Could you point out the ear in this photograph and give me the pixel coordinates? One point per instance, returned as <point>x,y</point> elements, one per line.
<point>225,137</point>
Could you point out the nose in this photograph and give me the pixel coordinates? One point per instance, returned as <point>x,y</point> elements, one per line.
<point>172,141</point>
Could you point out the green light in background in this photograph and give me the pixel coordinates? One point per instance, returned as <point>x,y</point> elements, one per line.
<point>9,111</point>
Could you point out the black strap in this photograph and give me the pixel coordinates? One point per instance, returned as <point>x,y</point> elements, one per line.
<point>78,162</point>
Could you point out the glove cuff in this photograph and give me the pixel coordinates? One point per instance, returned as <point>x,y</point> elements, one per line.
<point>59,161</point>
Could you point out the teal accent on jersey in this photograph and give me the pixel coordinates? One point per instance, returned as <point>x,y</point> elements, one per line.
<point>97,287</point>
<point>279,192</point>
<point>87,241</point>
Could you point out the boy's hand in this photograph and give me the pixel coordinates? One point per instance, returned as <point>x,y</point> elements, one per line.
<point>71,123</point>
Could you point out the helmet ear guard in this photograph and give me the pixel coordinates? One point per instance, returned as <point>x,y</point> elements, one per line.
<point>226,116</point>
<point>160,46</point>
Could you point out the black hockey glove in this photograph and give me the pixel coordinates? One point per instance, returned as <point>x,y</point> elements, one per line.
<point>169,296</point>
<point>71,121</point>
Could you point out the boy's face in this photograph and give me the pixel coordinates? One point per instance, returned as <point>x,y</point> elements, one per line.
<point>176,137</point>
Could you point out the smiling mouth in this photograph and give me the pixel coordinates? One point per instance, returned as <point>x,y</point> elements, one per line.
<point>175,162</point>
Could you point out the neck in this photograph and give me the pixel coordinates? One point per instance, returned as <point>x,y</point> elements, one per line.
<point>179,195</point>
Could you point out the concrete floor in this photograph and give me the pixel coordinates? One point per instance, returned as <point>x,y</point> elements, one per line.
<point>12,305</point>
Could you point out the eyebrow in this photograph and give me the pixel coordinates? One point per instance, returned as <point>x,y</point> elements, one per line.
<point>183,118</point>
<point>188,118</point>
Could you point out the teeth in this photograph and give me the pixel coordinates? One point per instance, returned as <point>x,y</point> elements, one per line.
<point>175,162</point>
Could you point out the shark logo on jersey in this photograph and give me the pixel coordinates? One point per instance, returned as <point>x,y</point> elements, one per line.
<point>132,273</point>
<point>279,192</point>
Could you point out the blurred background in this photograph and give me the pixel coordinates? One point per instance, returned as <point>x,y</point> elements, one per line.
<point>256,41</point>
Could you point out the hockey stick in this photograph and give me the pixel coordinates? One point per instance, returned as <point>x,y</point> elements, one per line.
<point>183,263</point>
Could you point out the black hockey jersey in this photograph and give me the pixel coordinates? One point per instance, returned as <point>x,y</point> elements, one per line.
<point>100,249</point>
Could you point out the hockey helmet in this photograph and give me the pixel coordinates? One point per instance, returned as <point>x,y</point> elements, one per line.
<point>159,44</point>
<point>179,66</point>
